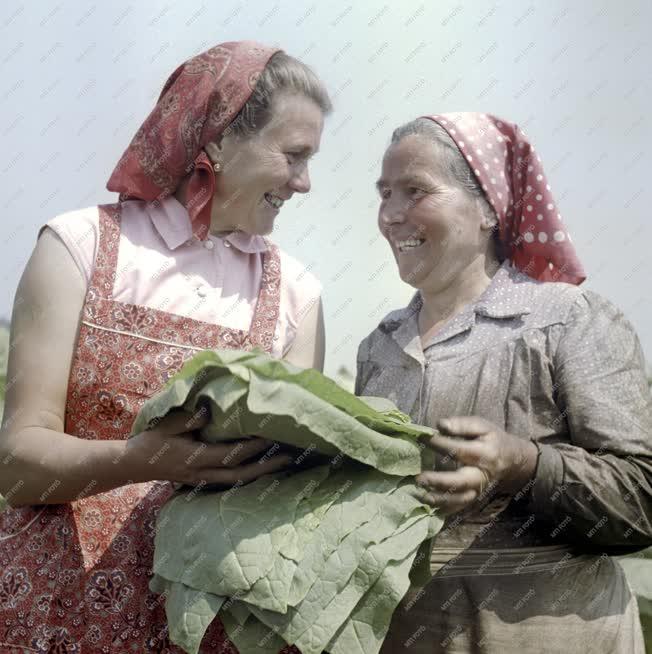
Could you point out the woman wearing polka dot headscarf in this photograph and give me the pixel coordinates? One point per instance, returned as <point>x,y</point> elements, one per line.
<point>537,388</point>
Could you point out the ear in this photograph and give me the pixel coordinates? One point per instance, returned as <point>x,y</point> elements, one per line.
<point>214,149</point>
<point>488,223</point>
<point>489,219</point>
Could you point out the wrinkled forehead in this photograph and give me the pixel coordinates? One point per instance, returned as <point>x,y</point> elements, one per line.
<point>297,118</point>
<point>416,155</point>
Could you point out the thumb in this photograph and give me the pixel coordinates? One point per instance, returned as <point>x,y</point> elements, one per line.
<point>180,421</point>
<point>199,418</point>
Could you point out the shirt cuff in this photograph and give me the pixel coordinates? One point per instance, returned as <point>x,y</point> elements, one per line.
<point>547,486</point>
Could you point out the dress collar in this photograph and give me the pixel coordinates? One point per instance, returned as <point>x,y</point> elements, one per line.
<point>507,296</point>
<point>172,221</point>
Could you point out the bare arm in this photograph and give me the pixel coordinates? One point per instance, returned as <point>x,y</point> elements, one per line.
<point>38,462</point>
<point>308,347</point>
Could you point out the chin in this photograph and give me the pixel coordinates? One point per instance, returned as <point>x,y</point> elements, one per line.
<point>411,277</point>
<point>265,229</point>
<point>414,283</point>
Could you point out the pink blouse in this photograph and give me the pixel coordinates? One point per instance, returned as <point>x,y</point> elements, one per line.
<point>162,265</point>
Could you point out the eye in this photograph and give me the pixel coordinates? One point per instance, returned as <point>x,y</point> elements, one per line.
<point>413,190</point>
<point>384,193</point>
<point>296,157</point>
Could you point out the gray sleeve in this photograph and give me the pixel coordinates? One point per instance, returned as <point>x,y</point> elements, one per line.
<point>362,367</point>
<point>598,487</point>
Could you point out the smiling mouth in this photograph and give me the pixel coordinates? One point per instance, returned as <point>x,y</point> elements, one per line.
<point>409,245</point>
<point>273,200</point>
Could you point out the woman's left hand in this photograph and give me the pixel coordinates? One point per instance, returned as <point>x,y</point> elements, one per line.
<point>491,461</point>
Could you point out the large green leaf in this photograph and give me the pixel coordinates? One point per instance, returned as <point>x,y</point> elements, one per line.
<point>254,395</point>
<point>318,558</point>
<point>346,579</point>
<point>189,612</point>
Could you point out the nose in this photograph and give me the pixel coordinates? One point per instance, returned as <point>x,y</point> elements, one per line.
<point>300,181</point>
<point>390,213</point>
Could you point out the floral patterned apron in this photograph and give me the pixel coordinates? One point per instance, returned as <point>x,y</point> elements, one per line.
<point>74,577</point>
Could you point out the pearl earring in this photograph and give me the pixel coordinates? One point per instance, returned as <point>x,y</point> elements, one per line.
<point>217,166</point>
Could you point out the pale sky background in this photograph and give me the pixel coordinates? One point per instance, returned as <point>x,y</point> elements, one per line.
<point>78,78</point>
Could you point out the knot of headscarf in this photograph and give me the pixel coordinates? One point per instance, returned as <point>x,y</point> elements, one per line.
<point>198,101</point>
<point>510,172</point>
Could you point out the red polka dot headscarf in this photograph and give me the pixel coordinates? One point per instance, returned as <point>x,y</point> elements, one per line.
<point>510,172</point>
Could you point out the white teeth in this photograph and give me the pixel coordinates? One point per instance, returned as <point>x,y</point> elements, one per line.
<point>409,244</point>
<point>275,201</point>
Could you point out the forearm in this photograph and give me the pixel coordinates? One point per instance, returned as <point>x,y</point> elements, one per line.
<point>43,466</point>
<point>594,499</point>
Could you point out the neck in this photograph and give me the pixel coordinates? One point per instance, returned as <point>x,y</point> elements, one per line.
<point>217,226</point>
<point>443,303</point>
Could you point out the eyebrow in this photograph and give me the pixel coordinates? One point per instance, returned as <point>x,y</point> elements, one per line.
<point>305,151</point>
<point>418,179</point>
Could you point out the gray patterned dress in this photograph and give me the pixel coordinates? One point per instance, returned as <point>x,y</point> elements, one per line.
<point>561,366</point>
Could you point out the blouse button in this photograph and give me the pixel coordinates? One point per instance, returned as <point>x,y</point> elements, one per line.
<point>202,291</point>
<point>209,245</point>
<point>226,244</point>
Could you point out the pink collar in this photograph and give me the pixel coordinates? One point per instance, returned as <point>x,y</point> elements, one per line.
<point>172,221</point>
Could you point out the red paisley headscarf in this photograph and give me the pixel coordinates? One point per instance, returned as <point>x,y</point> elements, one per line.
<point>198,101</point>
<point>511,175</point>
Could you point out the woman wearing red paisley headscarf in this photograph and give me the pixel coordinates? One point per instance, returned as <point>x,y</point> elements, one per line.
<point>537,389</point>
<point>114,299</point>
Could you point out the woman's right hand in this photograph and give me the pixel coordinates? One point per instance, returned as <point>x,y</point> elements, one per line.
<point>170,451</point>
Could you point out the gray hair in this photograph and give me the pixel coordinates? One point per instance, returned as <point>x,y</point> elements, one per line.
<point>282,73</point>
<point>455,164</point>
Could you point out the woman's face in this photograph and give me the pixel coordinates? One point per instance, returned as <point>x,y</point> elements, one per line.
<point>434,227</point>
<point>260,173</point>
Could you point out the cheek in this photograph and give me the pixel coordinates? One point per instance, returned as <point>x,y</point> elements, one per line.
<point>278,174</point>
<point>266,168</point>
<point>429,216</point>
